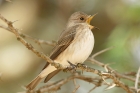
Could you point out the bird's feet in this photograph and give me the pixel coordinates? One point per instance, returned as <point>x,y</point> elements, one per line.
<point>80,65</point>
<point>72,67</point>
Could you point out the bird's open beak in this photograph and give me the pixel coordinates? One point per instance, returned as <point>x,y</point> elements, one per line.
<point>90,18</point>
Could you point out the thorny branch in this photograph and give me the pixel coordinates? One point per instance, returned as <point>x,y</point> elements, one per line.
<point>56,85</point>
<point>39,41</point>
<point>110,74</point>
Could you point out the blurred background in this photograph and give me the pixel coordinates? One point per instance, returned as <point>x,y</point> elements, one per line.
<point>118,20</point>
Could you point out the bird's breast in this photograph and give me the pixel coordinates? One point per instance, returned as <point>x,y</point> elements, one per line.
<point>79,50</point>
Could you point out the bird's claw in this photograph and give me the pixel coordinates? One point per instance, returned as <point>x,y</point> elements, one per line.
<point>72,67</point>
<point>83,66</point>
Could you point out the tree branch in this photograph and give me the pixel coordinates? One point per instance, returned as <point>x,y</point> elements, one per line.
<point>110,74</point>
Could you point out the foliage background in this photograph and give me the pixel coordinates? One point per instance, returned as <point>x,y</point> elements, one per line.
<point>118,20</point>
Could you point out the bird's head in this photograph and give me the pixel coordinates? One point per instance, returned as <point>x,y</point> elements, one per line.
<point>80,17</point>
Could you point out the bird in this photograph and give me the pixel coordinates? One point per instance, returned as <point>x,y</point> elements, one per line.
<point>74,45</point>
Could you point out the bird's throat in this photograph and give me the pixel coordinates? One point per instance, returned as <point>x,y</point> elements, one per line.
<point>91,27</point>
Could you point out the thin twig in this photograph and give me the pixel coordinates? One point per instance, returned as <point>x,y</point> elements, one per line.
<point>102,51</point>
<point>92,89</point>
<point>74,82</point>
<point>109,75</point>
<point>56,86</point>
<point>74,91</point>
<point>4,27</point>
<point>39,41</point>
<point>137,80</point>
<point>116,73</point>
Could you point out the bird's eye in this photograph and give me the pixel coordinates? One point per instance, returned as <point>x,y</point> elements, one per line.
<point>81,18</point>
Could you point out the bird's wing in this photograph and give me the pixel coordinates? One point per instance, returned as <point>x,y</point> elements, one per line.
<point>64,41</point>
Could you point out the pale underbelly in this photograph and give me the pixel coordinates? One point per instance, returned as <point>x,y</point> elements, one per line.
<point>78,51</point>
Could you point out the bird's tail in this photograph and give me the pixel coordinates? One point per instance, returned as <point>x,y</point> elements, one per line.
<point>49,71</point>
<point>34,83</point>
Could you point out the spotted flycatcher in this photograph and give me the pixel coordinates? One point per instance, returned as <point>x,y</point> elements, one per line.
<point>74,45</point>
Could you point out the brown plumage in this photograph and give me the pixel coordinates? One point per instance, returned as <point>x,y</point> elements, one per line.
<point>77,30</point>
<point>62,44</point>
